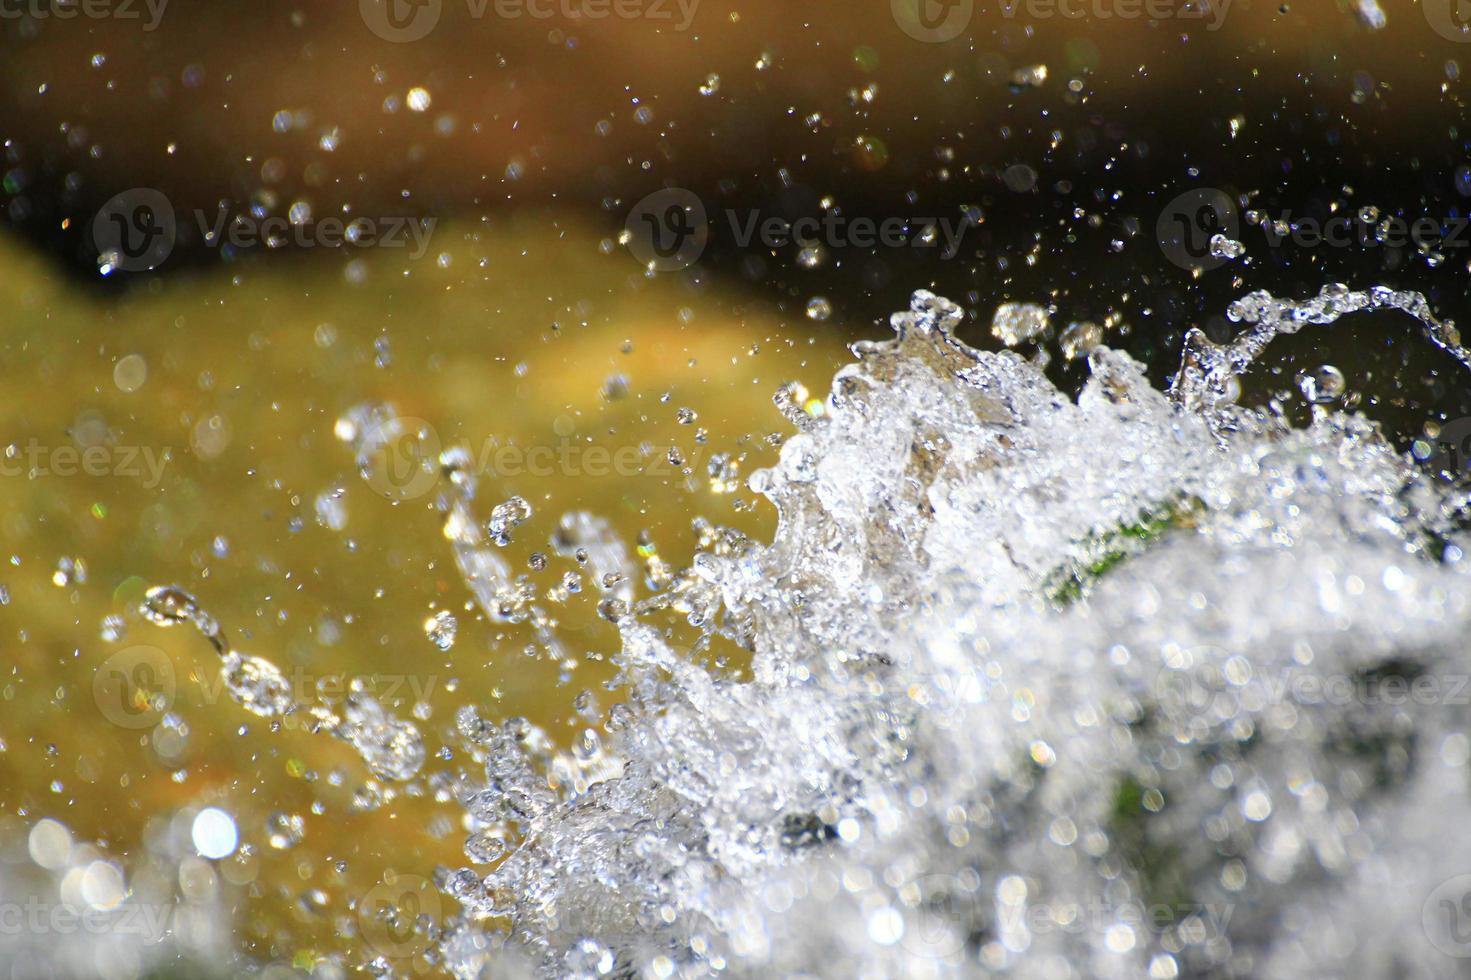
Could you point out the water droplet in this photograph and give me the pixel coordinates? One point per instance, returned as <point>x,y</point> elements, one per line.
<point>1322,385</point>
<point>441,629</point>
<point>130,372</point>
<point>1080,338</point>
<point>284,830</point>
<point>214,833</point>
<point>1029,76</point>
<point>114,628</point>
<point>1224,247</point>
<point>506,517</point>
<point>1014,323</point>
<point>811,256</point>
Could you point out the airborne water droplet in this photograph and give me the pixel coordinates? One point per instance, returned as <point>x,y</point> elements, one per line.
<point>1322,385</point>
<point>1014,323</point>
<point>506,517</point>
<point>1223,247</point>
<point>1080,338</point>
<point>168,605</point>
<point>441,629</point>
<point>284,830</point>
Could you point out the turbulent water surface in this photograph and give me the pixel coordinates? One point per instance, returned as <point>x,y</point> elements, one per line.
<point>1141,683</point>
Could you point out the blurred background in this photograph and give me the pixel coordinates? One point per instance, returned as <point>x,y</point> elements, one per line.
<point>227,225</point>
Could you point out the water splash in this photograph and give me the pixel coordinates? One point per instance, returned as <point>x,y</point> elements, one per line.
<point>1208,373</point>
<point>1038,687</point>
<point>1113,686</point>
<point>393,749</point>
